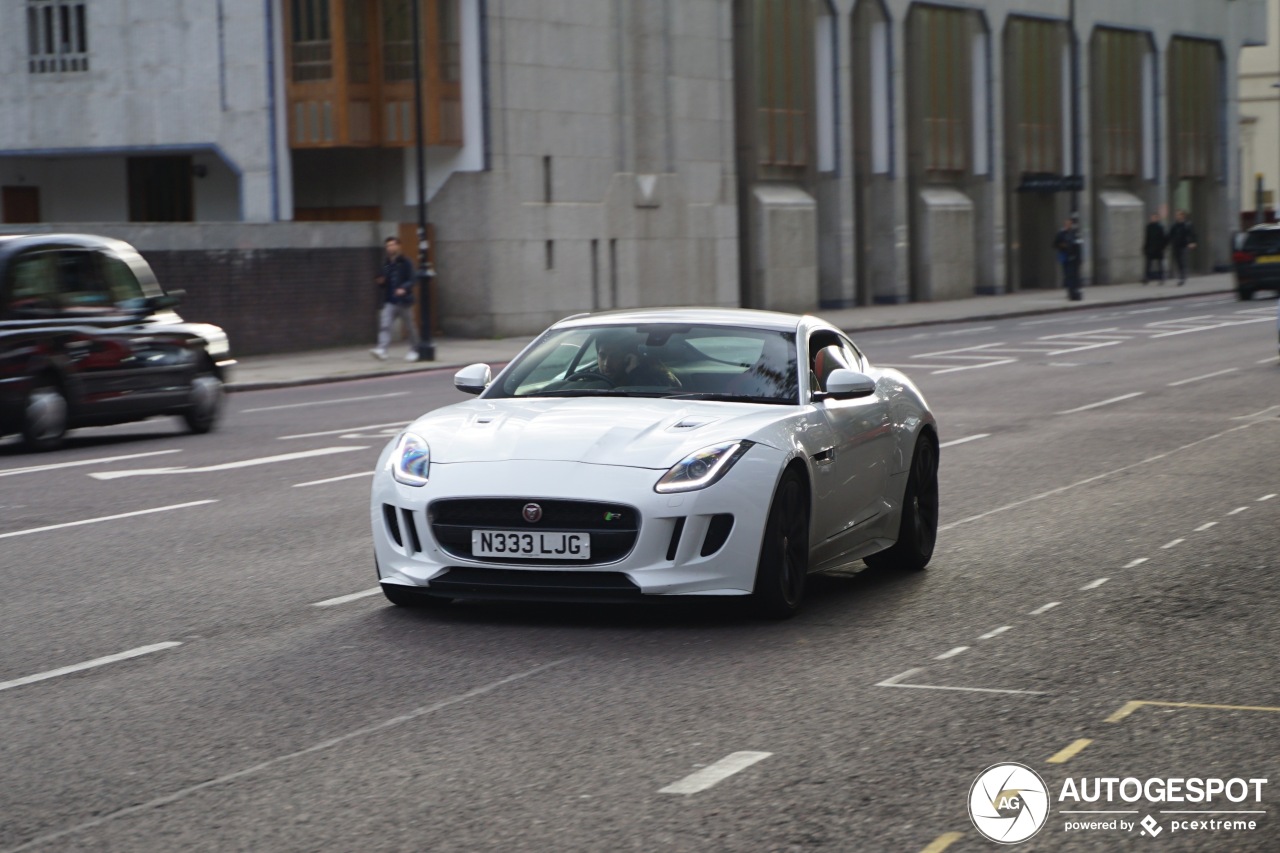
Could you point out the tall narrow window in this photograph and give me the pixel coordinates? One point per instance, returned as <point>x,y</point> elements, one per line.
<point>312,47</point>
<point>1037,74</point>
<point>1194,70</point>
<point>450,41</point>
<point>945,44</point>
<point>784,62</point>
<point>57,36</point>
<point>356,24</point>
<point>397,40</point>
<point>1118,59</point>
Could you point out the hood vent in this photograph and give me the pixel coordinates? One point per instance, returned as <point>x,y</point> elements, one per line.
<point>691,423</point>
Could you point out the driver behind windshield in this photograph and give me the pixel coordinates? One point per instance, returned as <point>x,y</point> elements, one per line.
<point>619,359</point>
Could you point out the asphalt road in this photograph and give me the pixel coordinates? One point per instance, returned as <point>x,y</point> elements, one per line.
<point>1101,604</point>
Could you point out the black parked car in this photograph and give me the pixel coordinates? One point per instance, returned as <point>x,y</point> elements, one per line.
<point>1257,260</point>
<point>88,337</point>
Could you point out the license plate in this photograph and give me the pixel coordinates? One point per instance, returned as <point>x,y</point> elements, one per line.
<point>521,544</point>
<point>1268,259</point>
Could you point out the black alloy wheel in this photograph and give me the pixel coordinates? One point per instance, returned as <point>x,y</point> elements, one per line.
<point>44,417</point>
<point>918,530</point>
<point>784,553</point>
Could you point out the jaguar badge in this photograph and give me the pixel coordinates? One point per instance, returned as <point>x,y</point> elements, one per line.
<point>532,513</point>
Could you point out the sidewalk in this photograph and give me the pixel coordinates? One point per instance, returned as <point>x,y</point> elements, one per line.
<point>336,365</point>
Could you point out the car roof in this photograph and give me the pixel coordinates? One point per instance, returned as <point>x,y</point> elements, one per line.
<point>1266,226</point>
<point>746,317</point>
<point>13,243</point>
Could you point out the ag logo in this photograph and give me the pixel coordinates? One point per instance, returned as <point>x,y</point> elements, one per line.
<point>1009,803</point>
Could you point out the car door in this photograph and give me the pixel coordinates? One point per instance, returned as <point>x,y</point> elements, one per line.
<point>99,337</point>
<point>855,467</point>
<point>31,334</point>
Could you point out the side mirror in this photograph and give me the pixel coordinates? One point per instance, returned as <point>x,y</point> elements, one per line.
<point>845,384</point>
<point>168,300</point>
<point>473,378</point>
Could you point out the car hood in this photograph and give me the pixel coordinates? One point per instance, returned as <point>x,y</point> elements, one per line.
<point>633,432</point>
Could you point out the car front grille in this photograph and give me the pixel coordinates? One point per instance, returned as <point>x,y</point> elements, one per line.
<point>535,585</point>
<point>613,527</point>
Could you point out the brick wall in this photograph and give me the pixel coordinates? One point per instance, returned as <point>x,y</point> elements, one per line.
<point>277,300</point>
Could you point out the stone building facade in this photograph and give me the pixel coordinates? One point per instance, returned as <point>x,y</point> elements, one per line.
<point>594,154</point>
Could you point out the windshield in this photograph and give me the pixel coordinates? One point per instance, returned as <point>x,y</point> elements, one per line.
<point>1263,242</point>
<point>698,362</point>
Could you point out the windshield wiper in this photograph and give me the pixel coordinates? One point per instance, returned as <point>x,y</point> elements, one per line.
<point>730,398</point>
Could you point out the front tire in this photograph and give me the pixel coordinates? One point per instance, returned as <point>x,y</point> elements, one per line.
<point>44,418</point>
<point>784,554</point>
<point>918,530</point>
<point>201,416</point>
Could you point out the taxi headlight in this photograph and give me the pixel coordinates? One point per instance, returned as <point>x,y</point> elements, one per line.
<point>701,469</point>
<point>411,460</point>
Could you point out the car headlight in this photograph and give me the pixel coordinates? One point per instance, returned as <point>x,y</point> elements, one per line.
<point>701,469</point>
<point>411,460</point>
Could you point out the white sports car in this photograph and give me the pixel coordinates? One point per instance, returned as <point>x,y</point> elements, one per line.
<point>645,454</point>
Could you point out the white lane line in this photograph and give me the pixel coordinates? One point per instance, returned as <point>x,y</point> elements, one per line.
<point>9,472</point>
<point>1094,584</point>
<point>89,664</point>
<point>1137,562</point>
<point>1095,478</point>
<point>105,518</point>
<point>952,652</point>
<point>712,774</point>
<point>1268,360</point>
<point>1237,510</point>
<point>1206,526</point>
<point>1205,376</point>
<point>1266,497</point>
<point>1168,545</point>
<point>342,431</point>
<point>1044,608</point>
<point>324,402</point>
<point>966,331</point>
<point>1214,326</point>
<point>225,466</point>
<point>1267,411</point>
<point>896,681</point>
<point>995,632</point>
<point>975,366</point>
<point>182,793</point>
<point>1101,403</point>
<point>343,599</point>
<point>953,442</point>
<point>1147,310</point>
<point>333,479</point>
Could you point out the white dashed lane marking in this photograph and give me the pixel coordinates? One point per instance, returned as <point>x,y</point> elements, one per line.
<point>1044,608</point>
<point>1171,544</point>
<point>1266,497</point>
<point>1206,526</point>
<point>1094,584</point>
<point>343,599</point>
<point>713,774</point>
<point>225,466</point>
<point>332,479</point>
<point>48,527</point>
<point>953,442</point>
<point>324,402</point>
<point>1101,403</point>
<point>344,430</point>
<point>31,469</point>
<point>89,664</point>
<point>1137,562</point>
<point>1237,510</point>
<point>1205,376</point>
<point>952,653</point>
<point>995,632</point>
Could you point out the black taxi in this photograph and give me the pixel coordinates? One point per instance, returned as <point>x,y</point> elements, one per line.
<point>88,337</point>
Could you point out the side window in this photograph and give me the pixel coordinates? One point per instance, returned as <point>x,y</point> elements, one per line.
<point>32,288</point>
<point>81,286</point>
<point>853,355</point>
<point>123,285</point>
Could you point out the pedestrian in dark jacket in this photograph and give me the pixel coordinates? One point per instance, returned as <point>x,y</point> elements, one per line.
<point>1182,238</point>
<point>1070,253</point>
<point>395,288</point>
<point>1153,248</point>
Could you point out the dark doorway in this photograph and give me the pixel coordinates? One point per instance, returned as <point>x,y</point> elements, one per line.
<point>20,204</point>
<point>161,189</point>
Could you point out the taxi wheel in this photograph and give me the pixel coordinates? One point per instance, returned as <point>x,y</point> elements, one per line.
<point>206,402</point>
<point>44,418</point>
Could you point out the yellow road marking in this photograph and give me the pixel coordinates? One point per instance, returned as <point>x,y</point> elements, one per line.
<point>942,842</point>
<point>1129,707</point>
<point>1066,754</point>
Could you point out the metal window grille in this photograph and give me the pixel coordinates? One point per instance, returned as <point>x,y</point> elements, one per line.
<point>1037,75</point>
<point>784,59</point>
<point>57,36</point>
<point>1194,79</point>
<point>946,40</point>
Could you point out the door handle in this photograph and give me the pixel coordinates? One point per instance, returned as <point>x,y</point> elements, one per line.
<point>825,457</point>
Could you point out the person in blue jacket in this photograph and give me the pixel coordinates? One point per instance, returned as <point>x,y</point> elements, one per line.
<point>395,284</point>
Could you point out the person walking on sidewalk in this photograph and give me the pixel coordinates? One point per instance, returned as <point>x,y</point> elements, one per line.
<point>1070,253</point>
<point>1153,248</point>
<point>396,287</point>
<point>1182,237</point>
